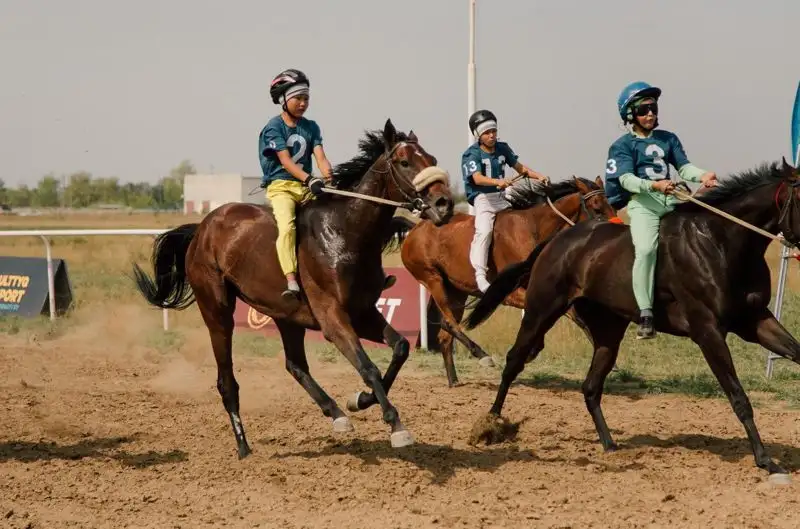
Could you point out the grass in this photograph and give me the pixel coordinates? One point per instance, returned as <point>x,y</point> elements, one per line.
<point>103,293</point>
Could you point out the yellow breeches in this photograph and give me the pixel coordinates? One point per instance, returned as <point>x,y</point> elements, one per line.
<point>284,195</point>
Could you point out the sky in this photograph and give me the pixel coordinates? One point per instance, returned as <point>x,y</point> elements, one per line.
<point>129,89</point>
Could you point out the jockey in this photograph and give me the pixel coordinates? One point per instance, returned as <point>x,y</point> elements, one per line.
<point>285,145</point>
<point>638,175</point>
<point>483,169</point>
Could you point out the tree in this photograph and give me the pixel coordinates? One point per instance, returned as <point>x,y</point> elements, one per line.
<point>46,195</point>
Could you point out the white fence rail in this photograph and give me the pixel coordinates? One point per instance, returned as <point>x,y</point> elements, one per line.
<point>44,234</point>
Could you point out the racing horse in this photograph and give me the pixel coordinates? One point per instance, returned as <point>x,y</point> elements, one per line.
<point>711,279</point>
<point>438,256</point>
<point>340,240</point>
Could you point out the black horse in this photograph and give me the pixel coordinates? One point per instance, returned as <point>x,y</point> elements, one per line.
<point>711,279</point>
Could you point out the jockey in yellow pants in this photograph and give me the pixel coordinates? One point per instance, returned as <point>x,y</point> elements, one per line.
<point>285,146</point>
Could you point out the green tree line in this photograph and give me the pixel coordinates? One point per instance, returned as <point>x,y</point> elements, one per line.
<point>84,190</point>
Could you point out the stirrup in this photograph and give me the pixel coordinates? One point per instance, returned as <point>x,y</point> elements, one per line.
<point>290,295</point>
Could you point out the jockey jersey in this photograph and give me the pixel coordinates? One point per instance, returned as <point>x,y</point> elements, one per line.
<point>300,141</point>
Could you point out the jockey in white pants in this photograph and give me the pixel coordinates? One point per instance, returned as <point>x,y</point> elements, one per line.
<point>483,169</point>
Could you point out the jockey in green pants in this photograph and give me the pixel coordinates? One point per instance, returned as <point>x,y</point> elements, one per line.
<point>638,175</point>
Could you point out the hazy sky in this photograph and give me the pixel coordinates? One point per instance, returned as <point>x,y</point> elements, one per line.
<point>129,89</point>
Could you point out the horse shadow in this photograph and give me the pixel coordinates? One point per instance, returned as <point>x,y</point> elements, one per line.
<point>730,450</point>
<point>442,461</point>
<point>102,448</point>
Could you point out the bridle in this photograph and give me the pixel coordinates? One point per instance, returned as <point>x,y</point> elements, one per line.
<point>584,207</point>
<point>413,203</point>
<point>789,205</point>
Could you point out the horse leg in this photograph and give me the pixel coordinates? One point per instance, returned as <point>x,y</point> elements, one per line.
<point>373,326</point>
<point>605,330</point>
<point>337,328</point>
<point>529,342</point>
<point>297,365</point>
<point>451,307</point>
<point>216,302</point>
<point>712,343</point>
<point>764,329</point>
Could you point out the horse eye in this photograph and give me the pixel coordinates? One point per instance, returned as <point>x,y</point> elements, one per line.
<point>404,163</point>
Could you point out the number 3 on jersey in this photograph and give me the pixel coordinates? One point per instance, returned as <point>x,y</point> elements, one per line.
<point>658,158</point>
<point>611,166</point>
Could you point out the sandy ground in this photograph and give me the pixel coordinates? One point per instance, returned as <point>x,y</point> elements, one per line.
<point>111,435</point>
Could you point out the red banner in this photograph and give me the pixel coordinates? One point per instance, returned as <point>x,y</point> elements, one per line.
<point>399,305</point>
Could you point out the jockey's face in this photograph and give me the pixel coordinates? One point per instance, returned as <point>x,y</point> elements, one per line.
<point>649,107</point>
<point>489,138</point>
<point>297,105</point>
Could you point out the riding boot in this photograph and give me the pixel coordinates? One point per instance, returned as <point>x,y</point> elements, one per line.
<point>647,329</point>
<point>292,293</point>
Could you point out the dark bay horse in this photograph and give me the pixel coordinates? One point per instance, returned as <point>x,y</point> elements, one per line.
<point>711,279</point>
<point>232,253</point>
<point>438,256</point>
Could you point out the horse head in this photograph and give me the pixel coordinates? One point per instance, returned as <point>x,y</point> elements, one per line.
<point>413,176</point>
<point>786,200</point>
<point>593,201</point>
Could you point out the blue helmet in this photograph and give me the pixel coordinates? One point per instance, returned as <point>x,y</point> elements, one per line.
<point>635,90</point>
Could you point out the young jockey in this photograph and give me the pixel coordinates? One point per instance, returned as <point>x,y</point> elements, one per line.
<point>483,169</point>
<point>638,174</point>
<point>285,146</point>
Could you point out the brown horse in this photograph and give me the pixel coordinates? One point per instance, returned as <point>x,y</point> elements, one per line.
<point>232,253</point>
<point>438,256</point>
<point>711,280</point>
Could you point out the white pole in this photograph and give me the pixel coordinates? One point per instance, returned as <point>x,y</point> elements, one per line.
<point>51,281</point>
<point>471,75</point>
<point>423,318</point>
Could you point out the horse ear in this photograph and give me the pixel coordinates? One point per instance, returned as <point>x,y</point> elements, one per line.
<point>580,185</point>
<point>599,182</point>
<point>389,134</point>
<point>412,136</point>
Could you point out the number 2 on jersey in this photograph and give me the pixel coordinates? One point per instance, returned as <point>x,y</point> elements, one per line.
<point>296,138</point>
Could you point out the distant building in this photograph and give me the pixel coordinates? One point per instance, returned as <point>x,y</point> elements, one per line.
<point>205,192</point>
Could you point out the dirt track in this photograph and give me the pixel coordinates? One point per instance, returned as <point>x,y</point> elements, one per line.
<point>116,436</point>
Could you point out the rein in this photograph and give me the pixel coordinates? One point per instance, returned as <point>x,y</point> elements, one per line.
<point>584,198</point>
<point>687,197</point>
<point>414,203</point>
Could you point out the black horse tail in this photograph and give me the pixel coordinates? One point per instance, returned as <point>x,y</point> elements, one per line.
<point>169,288</point>
<point>503,285</point>
<point>397,232</point>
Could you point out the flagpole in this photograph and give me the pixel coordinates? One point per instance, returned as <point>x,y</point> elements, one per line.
<point>471,75</point>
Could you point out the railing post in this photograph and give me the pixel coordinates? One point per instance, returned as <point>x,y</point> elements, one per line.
<point>423,318</point>
<point>778,305</point>
<point>51,280</point>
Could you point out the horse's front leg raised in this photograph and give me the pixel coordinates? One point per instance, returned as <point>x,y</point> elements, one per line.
<point>337,327</point>
<point>373,326</point>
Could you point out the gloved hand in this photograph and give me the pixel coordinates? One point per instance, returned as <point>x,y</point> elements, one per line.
<point>316,185</point>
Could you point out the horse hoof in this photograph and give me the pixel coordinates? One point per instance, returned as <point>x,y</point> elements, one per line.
<point>486,361</point>
<point>352,402</point>
<point>243,452</point>
<point>402,438</point>
<point>780,479</point>
<point>342,425</point>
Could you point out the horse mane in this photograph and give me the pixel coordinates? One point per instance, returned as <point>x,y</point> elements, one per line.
<point>347,175</point>
<point>735,185</point>
<point>523,194</point>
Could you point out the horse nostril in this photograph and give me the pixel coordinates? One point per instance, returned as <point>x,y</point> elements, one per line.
<point>442,204</point>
